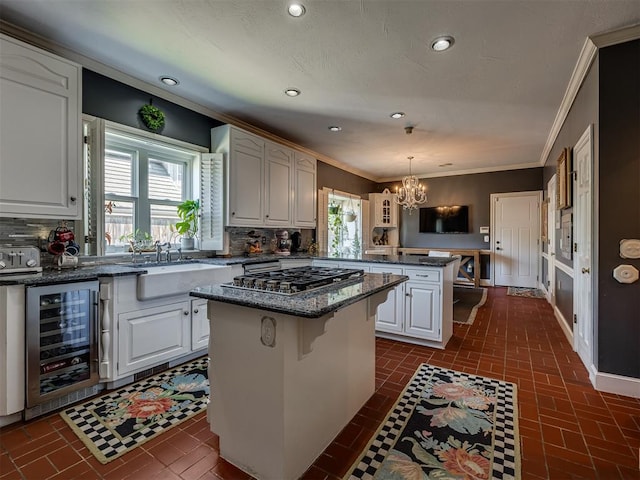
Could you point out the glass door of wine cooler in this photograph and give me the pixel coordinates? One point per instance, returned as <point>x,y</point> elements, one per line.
<point>61,345</point>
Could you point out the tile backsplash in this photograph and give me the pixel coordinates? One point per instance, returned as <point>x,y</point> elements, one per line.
<point>22,232</point>
<point>34,232</point>
<point>239,237</point>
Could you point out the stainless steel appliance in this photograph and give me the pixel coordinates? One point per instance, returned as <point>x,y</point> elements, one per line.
<point>283,244</point>
<point>61,344</point>
<point>19,261</point>
<point>295,280</point>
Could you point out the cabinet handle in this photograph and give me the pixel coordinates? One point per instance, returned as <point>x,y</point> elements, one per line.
<point>418,275</point>
<point>73,199</point>
<point>233,213</point>
<point>195,311</point>
<point>186,312</point>
<point>267,216</point>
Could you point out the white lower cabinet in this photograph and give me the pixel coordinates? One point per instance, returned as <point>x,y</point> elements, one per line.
<point>422,310</point>
<point>390,314</point>
<point>153,335</point>
<point>137,335</point>
<point>419,310</point>
<point>199,324</point>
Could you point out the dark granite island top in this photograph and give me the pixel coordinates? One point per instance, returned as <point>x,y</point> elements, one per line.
<point>314,304</point>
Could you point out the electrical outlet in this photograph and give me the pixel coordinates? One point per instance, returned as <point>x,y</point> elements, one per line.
<point>486,238</point>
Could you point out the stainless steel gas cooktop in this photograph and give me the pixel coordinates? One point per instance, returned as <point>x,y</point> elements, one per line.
<point>294,280</point>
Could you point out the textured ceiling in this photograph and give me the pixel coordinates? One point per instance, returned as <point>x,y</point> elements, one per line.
<point>487,103</point>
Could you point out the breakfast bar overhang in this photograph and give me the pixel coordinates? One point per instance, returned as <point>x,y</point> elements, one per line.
<point>288,372</point>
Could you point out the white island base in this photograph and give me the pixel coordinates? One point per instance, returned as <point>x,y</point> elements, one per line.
<point>280,396</point>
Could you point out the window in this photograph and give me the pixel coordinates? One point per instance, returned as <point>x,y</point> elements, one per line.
<point>144,181</point>
<point>133,182</point>
<point>344,226</point>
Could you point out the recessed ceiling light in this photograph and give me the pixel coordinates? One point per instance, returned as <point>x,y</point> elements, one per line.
<point>296,10</point>
<point>172,82</point>
<point>443,43</point>
<point>335,128</point>
<point>292,92</point>
<point>397,115</point>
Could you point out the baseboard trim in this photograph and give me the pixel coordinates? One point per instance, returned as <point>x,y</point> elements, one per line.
<point>603,382</point>
<point>611,383</point>
<point>563,325</point>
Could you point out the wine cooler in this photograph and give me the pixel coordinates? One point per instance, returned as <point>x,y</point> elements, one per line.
<point>61,337</point>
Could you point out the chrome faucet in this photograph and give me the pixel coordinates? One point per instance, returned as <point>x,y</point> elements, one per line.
<point>159,250</point>
<point>134,250</point>
<point>170,256</point>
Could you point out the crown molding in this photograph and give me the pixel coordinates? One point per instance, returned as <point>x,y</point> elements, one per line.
<point>469,171</point>
<point>608,39</point>
<point>585,59</point>
<point>115,74</point>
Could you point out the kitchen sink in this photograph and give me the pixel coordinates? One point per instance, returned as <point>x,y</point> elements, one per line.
<point>176,279</point>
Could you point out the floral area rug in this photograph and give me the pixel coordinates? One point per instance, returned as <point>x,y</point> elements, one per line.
<point>446,425</point>
<point>525,292</point>
<point>115,423</point>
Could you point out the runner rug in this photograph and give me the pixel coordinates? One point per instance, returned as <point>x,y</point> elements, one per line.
<point>118,422</point>
<point>466,302</point>
<point>446,425</point>
<point>525,292</point>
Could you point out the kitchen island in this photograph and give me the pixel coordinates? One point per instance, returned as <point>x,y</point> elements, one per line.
<point>288,372</point>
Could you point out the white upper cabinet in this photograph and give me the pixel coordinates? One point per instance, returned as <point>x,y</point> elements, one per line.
<point>305,191</point>
<point>278,184</point>
<point>384,211</point>
<point>268,184</point>
<point>40,133</point>
<point>245,177</point>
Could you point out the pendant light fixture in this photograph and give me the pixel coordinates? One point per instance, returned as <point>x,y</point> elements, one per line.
<point>411,194</point>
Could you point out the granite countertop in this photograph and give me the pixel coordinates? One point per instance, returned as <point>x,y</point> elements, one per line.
<point>68,275</point>
<point>313,304</point>
<point>90,271</point>
<point>417,260</point>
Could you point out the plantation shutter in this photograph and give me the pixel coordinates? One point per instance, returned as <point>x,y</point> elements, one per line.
<point>212,201</point>
<point>366,231</point>
<point>322,236</point>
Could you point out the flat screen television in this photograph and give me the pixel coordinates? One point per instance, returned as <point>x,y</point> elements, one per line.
<point>445,219</point>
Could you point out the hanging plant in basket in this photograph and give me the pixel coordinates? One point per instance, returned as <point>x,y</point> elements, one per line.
<point>152,117</point>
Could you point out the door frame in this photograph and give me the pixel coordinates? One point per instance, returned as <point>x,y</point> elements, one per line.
<point>584,308</point>
<point>551,241</point>
<point>538,255</point>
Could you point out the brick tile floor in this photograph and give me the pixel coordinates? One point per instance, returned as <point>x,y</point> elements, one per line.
<point>567,429</point>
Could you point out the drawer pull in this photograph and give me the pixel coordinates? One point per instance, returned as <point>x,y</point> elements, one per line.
<point>418,275</point>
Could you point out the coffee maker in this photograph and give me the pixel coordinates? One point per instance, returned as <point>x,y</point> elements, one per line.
<point>283,243</point>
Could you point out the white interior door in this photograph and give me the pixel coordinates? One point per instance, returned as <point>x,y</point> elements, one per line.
<point>551,241</point>
<point>516,248</point>
<point>582,283</point>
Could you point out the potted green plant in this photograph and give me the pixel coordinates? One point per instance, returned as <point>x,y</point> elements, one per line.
<point>189,213</point>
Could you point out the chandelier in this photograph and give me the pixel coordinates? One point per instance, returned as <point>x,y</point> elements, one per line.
<point>411,193</point>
